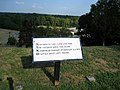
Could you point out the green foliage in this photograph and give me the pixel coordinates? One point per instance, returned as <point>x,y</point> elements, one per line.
<point>8,21</point>
<point>51,32</point>
<point>40,32</point>
<point>29,30</point>
<point>25,37</point>
<point>103,22</point>
<point>14,20</point>
<point>28,25</point>
<point>11,41</point>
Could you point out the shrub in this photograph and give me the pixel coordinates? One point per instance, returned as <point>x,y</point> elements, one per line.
<point>11,41</point>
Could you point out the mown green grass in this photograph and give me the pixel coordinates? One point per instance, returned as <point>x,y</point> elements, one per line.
<point>101,62</point>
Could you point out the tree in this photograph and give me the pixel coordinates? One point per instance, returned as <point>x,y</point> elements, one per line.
<point>63,32</point>
<point>102,23</point>
<point>86,29</point>
<point>11,41</point>
<point>25,36</point>
<point>40,32</point>
<point>105,14</point>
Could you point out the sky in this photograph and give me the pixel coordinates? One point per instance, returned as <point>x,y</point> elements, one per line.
<point>55,7</point>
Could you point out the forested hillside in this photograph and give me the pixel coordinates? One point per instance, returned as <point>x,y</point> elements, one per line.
<point>15,20</point>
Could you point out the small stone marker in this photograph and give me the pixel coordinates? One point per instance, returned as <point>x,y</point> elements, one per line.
<point>90,78</point>
<point>19,87</point>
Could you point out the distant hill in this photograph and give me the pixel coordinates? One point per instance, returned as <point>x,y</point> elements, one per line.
<point>14,21</point>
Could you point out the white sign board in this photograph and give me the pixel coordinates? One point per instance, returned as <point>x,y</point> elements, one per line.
<point>51,49</point>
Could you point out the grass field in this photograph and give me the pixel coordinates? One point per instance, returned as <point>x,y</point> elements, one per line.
<point>103,63</point>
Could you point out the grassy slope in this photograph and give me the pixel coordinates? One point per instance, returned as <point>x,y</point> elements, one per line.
<point>101,62</point>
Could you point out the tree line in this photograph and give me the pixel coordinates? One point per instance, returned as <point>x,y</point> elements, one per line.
<point>101,26</point>
<point>15,20</point>
<point>36,25</point>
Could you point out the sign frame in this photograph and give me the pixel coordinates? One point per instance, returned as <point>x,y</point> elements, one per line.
<point>56,59</point>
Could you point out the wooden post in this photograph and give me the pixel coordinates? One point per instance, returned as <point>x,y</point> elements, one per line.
<point>57,73</point>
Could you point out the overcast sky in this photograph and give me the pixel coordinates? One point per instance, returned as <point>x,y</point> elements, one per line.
<point>57,7</point>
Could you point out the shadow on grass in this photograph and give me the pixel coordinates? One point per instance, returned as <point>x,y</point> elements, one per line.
<point>48,74</point>
<point>27,63</point>
<point>10,81</point>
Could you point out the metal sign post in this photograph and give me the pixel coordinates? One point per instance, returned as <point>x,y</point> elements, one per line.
<point>57,73</point>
